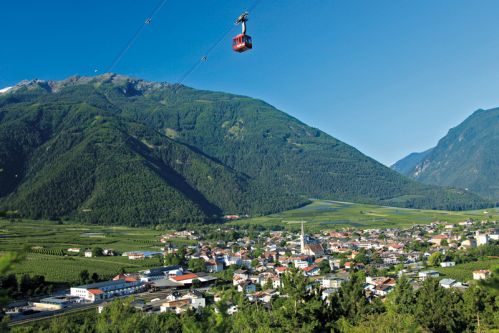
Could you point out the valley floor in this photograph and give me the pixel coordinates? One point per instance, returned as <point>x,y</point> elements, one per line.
<point>322,215</point>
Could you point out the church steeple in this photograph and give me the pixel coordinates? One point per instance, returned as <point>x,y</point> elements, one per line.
<point>302,239</point>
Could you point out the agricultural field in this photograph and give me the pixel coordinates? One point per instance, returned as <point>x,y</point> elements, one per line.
<point>46,242</point>
<point>464,272</point>
<point>320,215</point>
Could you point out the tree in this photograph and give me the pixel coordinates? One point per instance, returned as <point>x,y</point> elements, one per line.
<point>437,308</point>
<point>294,284</point>
<point>25,286</point>
<point>196,283</point>
<point>362,257</point>
<point>352,301</point>
<point>9,283</point>
<point>480,309</point>
<point>172,260</point>
<point>402,298</point>
<point>268,284</point>
<point>325,266</point>
<point>435,259</point>
<point>97,251</point>
<point>95,277</point>
<point>197,265</point>
<point>254,262</point>
<point>7,261</point>
<point>84,276</point>
<point>386,323</point>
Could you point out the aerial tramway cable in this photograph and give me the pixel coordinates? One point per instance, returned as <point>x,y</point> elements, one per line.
<point>125,49</point>
<point>136,35</point>
<point>204,57</point>
<point>190,70</point>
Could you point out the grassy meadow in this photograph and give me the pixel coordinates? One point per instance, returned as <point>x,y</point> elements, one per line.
<point>321,215</point>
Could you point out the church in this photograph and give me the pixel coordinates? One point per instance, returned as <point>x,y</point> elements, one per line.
<point>310,246</point>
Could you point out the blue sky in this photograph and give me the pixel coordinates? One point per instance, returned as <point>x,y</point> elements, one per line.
<point>388,77</point>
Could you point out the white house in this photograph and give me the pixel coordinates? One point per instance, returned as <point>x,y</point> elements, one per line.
<point>447,264</point>
<point>447,283</point>
<point>232,260</point>
<point>383,290</point>
<point>300,264</point>
<point>332,282</point>
<point>482,274</point>
<point>214,266</point>
<point>428,274</point>
<point>481,239</point>
<point>181,303</point>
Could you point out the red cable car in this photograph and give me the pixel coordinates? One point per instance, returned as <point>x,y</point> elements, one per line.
<point>242,42</point>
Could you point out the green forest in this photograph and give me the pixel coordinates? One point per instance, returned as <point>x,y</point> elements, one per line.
<point>115,150</point>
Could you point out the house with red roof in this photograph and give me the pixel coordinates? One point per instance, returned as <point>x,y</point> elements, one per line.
<point>184,279</point>
<point>311,270</point>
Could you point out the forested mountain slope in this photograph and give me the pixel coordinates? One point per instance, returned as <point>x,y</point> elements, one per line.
<point>112,149</point>
<point>467,157</point>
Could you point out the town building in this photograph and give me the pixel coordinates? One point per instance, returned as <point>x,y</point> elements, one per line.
<point>107,289</point>
<point>482,274</point>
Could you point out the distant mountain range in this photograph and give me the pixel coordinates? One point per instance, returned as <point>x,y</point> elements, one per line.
<point>113,149</point>
<point>467,157</point>
<point>405,165</point>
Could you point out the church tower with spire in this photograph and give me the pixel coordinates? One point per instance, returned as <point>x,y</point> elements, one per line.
<point>302,239</point>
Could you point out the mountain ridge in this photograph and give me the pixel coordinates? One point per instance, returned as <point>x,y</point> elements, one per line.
<point>405,164</point>
<point>477,139</point>
<point>204,153</point>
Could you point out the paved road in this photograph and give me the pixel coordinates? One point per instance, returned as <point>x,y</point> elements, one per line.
<point>53,314</point>
<point>74,308</point>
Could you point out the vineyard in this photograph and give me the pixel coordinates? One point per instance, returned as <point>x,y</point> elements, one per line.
<point>46,245</point>
<point>67,269</point>
<point>464,272</point>
<point>52,252</point>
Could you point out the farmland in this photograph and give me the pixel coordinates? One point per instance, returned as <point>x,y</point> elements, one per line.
<point>46,242</point>
<point>464,272</point>
<point>333,215</point>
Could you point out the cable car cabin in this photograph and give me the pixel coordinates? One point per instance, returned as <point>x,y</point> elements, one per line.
<point>241,43</point>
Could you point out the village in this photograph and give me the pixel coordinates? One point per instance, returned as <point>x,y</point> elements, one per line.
<point>195,276</point>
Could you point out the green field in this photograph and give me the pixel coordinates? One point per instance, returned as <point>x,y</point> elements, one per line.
<point>464,272</point>
<point>322,215</point>
<point>47,241</point>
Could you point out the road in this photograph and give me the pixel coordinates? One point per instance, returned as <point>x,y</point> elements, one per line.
<point>53,314</point>
<point>74,308</point>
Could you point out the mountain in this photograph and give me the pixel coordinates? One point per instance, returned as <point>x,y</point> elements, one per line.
<point>406,164</point>
<point>467,157</point>
<point>113,149</point>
